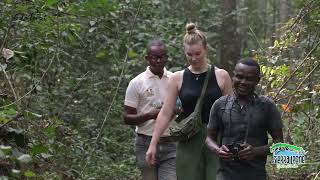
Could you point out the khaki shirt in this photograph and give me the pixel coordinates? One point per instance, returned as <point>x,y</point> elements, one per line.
<point>146,92</point>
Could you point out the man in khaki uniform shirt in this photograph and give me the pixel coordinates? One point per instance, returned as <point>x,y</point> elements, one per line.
<point>144,97</point>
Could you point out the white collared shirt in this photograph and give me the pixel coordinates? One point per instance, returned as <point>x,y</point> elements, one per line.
<point>146,92</point>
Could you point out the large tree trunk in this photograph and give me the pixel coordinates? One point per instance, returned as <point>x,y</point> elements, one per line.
<point>230,40</point>
<point>285,10</point>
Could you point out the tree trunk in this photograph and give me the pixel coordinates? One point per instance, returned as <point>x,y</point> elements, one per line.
<point>274,20</point>
<point>230,40</point>
<point>285,10</point>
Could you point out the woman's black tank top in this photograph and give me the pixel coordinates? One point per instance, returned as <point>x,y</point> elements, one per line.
<point>191,89</point>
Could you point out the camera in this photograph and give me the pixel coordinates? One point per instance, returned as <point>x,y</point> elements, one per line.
<point>234,148</point>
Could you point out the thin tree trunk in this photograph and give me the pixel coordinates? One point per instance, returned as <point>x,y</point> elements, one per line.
<point>230,41</point>
<point>285,10</point>
<point>274,20</point>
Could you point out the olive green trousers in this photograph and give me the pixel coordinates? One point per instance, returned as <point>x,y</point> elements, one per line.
<point>194,160</point>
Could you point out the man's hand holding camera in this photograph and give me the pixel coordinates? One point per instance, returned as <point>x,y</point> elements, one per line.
<point>247,152</point>
<point>224,153</point>
<point>244,152</point>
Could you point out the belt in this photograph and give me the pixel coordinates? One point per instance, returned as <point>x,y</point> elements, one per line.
<point>166,139</point>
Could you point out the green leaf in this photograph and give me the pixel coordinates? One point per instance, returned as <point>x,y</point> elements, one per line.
<point>46,156</point>
<point>50,131</point>
<point>15,171</point>
<point>276,44</point>
<point>4,178</point>
<point>29,173</point>
<point>10,112</point>
<point>92,29</point>
<point>31,115</point>
<point>5,149</point>
<point>2,155</point>
<point>132,54</point>
<point>22,8</point>
<point>7,53</point>
<point>25,158</point>
<point>4,120</point>
<point>51,2</point>
<point>38,149</point>
<point>101,54</point>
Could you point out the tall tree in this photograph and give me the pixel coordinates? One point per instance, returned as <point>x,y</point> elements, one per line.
<point>230,40</point>
<point>284,10</point>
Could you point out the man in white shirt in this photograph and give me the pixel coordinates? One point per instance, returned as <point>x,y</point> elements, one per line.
<point>144,97</point>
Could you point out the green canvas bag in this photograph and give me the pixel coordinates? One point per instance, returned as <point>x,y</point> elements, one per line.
<point>185,128</point>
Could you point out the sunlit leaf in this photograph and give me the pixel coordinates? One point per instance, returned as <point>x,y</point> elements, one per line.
<point>132,54</point>
<point>25,158</point>
<point>2,155</point>
<point>101,54</point>
<point>30,114</point>
<point>16,131</point>
<point>276,44</point>
<point>29,173</point>
<point>45,155</point>
<point>92,23</point>
<point>4,178</point>
<point>7,53</point>
<point>4,120</point>
<point>5,149</point>
<point>15,171</point>
<point>38,149</point>
<point>51,2</point>
<point>92,29</point>
<point>60,8</point>
<point>9,112</point>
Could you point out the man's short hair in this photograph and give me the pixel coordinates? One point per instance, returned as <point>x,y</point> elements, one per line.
<point>250,62</point>
<point>155,42</point>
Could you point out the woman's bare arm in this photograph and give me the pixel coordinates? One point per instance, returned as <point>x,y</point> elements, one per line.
<point>224,81</point>
<point>167,109</point>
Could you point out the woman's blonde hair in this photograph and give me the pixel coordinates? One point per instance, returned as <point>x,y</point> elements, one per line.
<point>194,35</point>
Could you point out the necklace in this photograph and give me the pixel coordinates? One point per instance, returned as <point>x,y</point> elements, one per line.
<point>196,76</point>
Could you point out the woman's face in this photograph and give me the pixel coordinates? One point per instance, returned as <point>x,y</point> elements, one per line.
<point>195,53</point>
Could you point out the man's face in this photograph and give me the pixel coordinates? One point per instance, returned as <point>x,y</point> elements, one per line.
<point>157,58</point>
<point>245,79</point>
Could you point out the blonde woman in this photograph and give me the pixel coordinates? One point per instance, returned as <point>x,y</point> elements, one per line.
<point>194,160</point>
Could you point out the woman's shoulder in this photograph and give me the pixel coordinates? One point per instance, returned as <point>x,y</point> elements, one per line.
<point>178,74</point>
<point>224,81</point>
<point>219,70</point>
<point>221,73</point>
<point>176,79</point>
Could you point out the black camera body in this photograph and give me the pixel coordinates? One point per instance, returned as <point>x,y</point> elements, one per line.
<point>234,148</point>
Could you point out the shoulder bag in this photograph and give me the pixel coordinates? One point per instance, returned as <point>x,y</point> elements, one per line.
<point>186,127</point>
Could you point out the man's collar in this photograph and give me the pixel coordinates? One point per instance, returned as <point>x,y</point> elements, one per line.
<point>250,98</point>
<point>150,74</point>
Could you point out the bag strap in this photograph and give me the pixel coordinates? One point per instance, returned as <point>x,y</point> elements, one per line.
<point>249,120</point>
<point>203,91</point>
<point>221,131</point>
